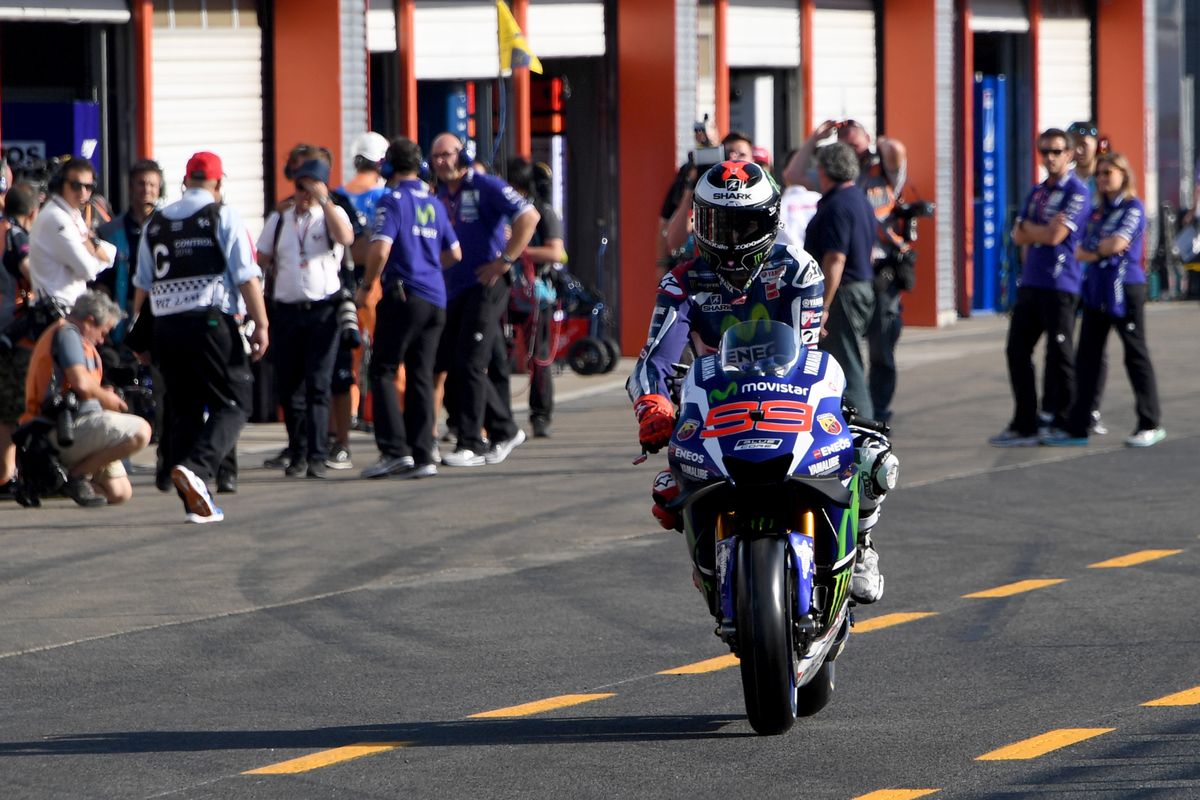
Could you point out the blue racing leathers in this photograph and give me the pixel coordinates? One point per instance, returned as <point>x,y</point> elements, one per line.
<point>693,303</point>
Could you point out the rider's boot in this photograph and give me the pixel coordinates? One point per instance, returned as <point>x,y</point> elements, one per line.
<point>663,492</point>
<point>866,584</point>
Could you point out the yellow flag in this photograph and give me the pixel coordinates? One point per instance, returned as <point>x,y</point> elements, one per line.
<point>514,50</point>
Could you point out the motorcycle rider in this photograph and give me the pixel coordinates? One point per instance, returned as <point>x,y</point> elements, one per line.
<point>740,274</point>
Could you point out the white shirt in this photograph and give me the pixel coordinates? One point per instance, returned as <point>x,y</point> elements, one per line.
<point>305,266</point>
<point>797,207</point>
<point>60,266</point>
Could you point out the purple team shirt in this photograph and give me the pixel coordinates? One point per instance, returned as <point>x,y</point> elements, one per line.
<point>1104,280</point>
<point>416,225</point>
<point>479,211</point>
<point>1054,266</point>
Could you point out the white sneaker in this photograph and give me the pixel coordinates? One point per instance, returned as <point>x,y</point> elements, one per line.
<point>1146,438</point>
<point>463,458</point>
<point>1097,426</point>
<point>197,502</point>
<point>501,450</point>
<point>866,585</point>
<point>339,458</point>
<point>388,465</point>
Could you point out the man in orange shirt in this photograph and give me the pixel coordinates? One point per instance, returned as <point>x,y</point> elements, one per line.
<point>65,361</point>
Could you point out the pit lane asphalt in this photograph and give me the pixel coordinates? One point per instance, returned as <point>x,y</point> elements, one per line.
<point>142,657</point>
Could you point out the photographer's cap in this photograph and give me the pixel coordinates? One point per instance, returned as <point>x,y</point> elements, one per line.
<point>313,168</point>
<point>205,166</point>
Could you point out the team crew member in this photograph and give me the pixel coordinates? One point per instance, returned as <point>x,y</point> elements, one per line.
<point>411,242</point>
<point>741,274</point>
<point>302,249</point>
<point>63,253</point>
<point>1114,296</point>
<point>477,291</point>
<point>1048,228</point>
<point>194,262</point>
<point>125,232</point>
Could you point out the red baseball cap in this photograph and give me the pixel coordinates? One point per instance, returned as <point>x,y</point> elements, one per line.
<point>205,166</point>
<point>762,156</point>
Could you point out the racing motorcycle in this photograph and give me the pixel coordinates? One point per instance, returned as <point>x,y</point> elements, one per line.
<point>774,477</point>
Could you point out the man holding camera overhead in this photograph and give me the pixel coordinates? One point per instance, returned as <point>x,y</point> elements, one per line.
<point>301,248</point>
<point>882,171</point>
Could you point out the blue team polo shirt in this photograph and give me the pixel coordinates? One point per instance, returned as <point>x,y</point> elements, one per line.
<point>417,226</point>
<point>479,211</point>
<point>1104,280</point>
<point>1054,267</point>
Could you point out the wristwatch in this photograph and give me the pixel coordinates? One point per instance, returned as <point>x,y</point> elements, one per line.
<point>507,260</point>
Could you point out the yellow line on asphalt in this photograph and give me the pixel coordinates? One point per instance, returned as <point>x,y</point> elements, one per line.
<point>888,620</point>
<point>897,794</point>
<point>708,665</point>
<point>538,706</point>
<point>1188,697</point>
<point>1010,589</point>
<point>1140,557</point>
<point>326,758</point>
<point>1040,745</point>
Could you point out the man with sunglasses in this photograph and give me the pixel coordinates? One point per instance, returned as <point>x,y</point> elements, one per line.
<point>63,253</point>
<point>1047,230</point>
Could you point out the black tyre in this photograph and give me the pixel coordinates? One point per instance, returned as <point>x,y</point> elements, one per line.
<point>587,356</point>
<point>613,348</point>
<point>816,694</point>
<point>764,628</point>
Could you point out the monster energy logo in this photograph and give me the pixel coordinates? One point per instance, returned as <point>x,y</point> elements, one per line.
<point>426,214</point>
<point>841,587</point>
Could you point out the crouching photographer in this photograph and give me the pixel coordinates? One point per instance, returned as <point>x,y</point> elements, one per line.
<point>68,406</point>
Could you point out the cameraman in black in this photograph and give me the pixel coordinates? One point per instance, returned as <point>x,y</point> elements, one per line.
<point>883,170</point>
<point>65,384</point>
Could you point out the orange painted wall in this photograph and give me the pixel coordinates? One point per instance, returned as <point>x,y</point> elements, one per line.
<point>143,42</point>
<point>909,116</point>
<point>308,95</point>
<point>407,80</point>
<point>1120,80</point>
<point>646,140</point>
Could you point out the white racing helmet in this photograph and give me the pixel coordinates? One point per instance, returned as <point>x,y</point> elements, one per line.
<point>735,220</point>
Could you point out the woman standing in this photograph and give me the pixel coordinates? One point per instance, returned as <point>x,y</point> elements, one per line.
<point>1114,296</point>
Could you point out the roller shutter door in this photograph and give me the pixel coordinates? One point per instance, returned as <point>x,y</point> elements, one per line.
<point>763,33</point>
<point>566,29</point>
<point>208,95</point>
<point>1064,66</point>
<point>843,51</point>
<point>455,40</point>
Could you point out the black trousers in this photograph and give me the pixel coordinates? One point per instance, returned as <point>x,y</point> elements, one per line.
<point>482,398</point>
<point>1037,312</point>
<point>407,331</point>
<point>541,378</point>
<point>304,343</point>
<point>1089,362</point>
<point>205,369</point>
<point>883,334</point>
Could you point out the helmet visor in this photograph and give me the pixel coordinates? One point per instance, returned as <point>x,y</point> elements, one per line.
<point>732,230</point>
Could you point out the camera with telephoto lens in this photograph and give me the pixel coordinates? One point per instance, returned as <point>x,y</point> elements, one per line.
<point>62,408</point>
<point>347,318</point>
<point>907,214</point>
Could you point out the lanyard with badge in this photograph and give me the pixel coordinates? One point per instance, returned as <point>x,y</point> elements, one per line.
<point>302,234</point>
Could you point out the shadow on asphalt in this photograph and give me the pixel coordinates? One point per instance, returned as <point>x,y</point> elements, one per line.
<point>459,733</point>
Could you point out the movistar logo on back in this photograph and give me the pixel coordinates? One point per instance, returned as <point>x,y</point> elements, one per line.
<point>426,215</point>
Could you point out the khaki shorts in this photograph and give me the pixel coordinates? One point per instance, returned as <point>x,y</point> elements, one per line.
<point>95,432</point>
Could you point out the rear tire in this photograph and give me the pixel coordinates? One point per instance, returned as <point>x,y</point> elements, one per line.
<point>764,628</point>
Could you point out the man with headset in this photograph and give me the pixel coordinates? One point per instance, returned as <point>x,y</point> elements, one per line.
<point>477,291</point>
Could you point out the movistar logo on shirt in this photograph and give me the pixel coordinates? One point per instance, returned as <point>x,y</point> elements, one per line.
<point>426,215</point>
